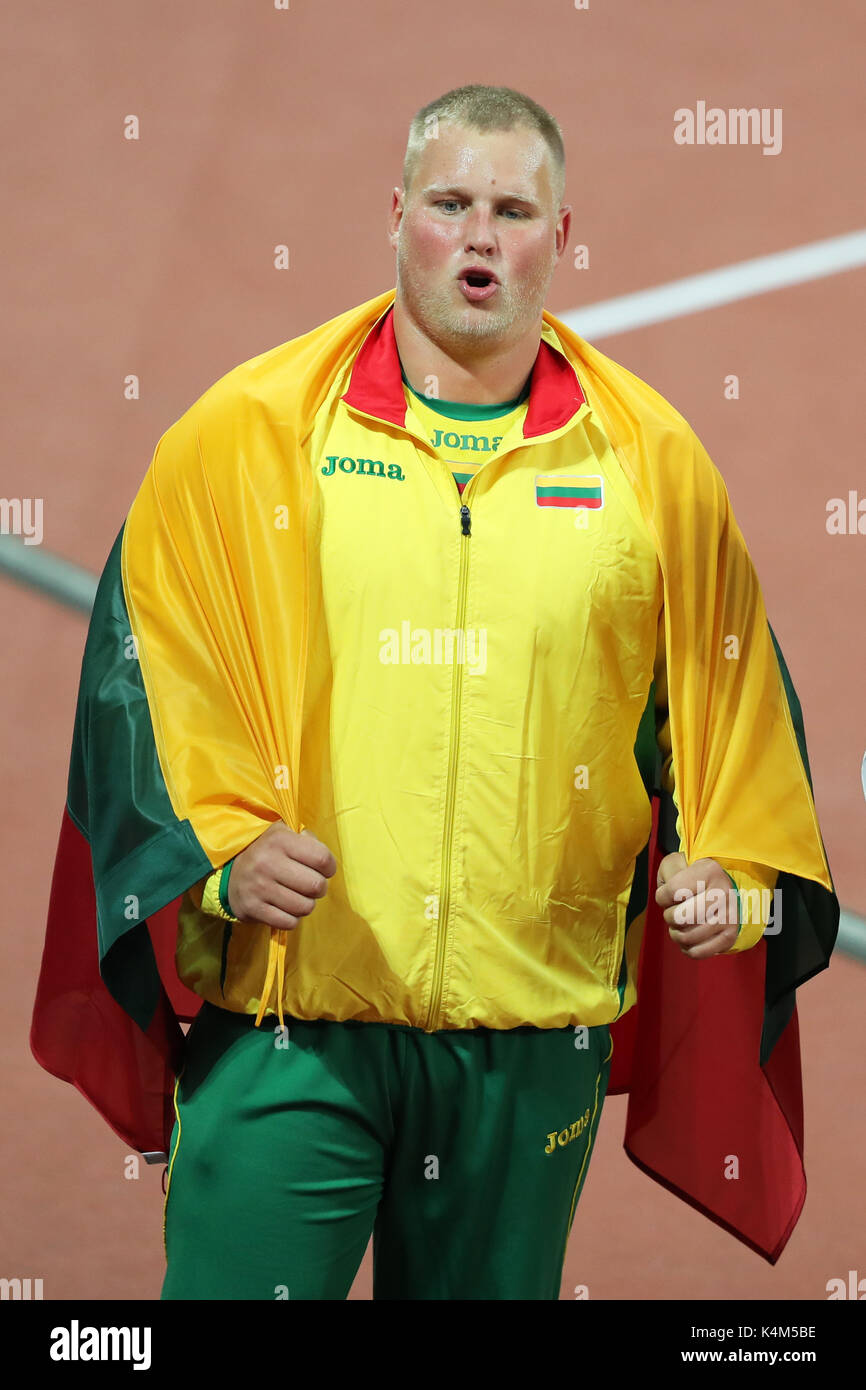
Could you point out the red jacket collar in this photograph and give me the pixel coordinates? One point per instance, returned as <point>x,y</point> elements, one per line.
<point>376,383</point>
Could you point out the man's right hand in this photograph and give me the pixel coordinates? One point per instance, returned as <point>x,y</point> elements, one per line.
<point>278,878</point>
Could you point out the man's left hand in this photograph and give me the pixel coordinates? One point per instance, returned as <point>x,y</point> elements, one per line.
<point>699,920</point>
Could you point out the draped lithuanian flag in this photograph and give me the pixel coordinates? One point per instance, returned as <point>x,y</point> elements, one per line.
<point>186,746</point>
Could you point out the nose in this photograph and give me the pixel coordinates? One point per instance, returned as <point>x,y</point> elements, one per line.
<point>479,231</point>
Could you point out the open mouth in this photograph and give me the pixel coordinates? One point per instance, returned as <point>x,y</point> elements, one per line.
<point>478,284</point>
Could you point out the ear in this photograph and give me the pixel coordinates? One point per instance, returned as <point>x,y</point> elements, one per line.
<point>563,227</point>
<point>395,215</point>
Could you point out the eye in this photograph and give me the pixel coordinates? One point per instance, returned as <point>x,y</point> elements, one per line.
<point>456,203</point>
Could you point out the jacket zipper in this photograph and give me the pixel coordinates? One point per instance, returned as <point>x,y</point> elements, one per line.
<point>456,692</point>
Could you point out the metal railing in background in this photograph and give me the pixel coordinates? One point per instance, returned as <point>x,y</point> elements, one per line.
<point>36,568</point>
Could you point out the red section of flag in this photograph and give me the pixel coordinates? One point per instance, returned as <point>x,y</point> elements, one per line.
<point>593,503</point>
<point>79,1031</point>
<point>701,1108</point>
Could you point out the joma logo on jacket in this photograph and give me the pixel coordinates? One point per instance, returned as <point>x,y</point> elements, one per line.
<point>480,443</point>
<point>369,467</point>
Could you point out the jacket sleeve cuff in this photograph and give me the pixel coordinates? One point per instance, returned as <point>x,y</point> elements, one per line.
<point>214,898</point>
<point>754,884</point>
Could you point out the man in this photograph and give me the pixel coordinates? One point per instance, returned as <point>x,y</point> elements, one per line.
<point>435,584</point>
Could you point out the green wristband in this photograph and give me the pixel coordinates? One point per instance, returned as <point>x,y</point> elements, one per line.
<point>739,907</point>
<point>224,889</point>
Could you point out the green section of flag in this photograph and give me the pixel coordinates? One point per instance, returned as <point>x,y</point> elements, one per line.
<point>584,493</point>
<point>142,856</point>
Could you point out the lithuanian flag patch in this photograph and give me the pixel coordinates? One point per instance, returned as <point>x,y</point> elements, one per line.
<point>557,490</point>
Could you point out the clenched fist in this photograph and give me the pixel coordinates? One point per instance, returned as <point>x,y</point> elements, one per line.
<point>712,920</point>
<point>278,878</point>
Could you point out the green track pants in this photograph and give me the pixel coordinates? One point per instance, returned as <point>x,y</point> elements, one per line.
<point>463,1153</point>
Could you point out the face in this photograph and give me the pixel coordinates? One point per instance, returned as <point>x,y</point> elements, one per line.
<point>481,200</point>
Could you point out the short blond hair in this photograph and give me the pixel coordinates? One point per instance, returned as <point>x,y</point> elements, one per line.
<point>486,108</point>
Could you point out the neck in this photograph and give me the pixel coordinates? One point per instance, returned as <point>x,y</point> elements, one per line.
<point>492,373</point>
